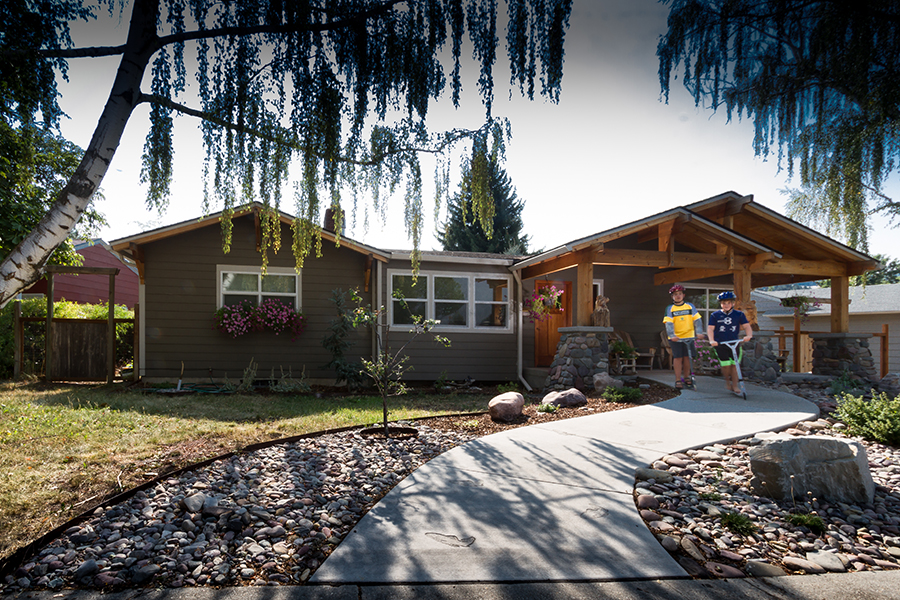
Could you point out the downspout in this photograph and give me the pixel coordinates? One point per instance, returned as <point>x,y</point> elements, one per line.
<point>519,335</point>
<point>377,291</point>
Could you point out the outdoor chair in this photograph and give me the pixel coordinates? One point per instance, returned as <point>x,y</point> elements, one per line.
<point>642,359</point>
<point>619,365</point>
<point>665,354</point>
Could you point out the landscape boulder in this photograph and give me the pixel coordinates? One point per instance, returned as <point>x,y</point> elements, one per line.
<point>890,384</point>
<point>506,407</point>
<point>566,399</point>
<point>604,380</point>
<point>792,468</point>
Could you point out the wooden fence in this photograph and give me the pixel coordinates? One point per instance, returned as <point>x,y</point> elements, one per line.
<point>800,339</point>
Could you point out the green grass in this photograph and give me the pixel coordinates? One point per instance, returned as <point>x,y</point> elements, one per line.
<point>812,522</point>
<point>64,448</point>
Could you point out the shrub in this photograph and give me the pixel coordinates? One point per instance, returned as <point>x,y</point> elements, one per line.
<point>508,387</point>
<point>812,522</point>
<point>738,523</point>
<point>877,419</point>
<point>623,394</point>
<point>547,408</point>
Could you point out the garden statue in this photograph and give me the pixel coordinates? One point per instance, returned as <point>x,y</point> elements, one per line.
<point>600,316</point>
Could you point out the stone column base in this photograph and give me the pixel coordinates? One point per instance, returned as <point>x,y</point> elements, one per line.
<point>582,352</point>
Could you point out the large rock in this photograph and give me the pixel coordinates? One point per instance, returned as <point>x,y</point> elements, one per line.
<point>830,468</point>
<point>890,384</point>
<point>604,380</point>
<point>566,399</point>
<point>506,407</point>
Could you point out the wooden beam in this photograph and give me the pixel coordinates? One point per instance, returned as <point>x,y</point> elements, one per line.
<point>818,268</point>
<point>137,255</point>
<point>64,270</point>
<point>840,305</point>
<point>742,289</point>
<point>584,293</point>
<point>862,266</point>
<point>761,260</point>
<point>367,273</point>
<point>687,275</point>
<point>736,205</point>
<point>559,263</point>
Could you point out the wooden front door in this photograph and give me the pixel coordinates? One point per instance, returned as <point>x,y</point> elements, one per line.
<point>546,333</point>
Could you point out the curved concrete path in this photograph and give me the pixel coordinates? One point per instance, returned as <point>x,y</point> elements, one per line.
<point>547,503</point>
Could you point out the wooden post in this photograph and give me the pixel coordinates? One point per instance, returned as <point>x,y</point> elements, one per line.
<point>782,345</point>
<point>585,293</point>
<point>885,343</point>
<point>796,351</point>
<point>136,371</point>
<point>18,339</point>
<point>111,331</point>
<point>48,346</point>
<point>840,305</point>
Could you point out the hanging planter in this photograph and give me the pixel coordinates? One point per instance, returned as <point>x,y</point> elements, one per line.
<point>544,302</point>
<point>801,305</point>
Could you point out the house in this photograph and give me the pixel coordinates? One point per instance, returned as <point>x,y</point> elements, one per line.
<point>871,308</point>
<point>724,242</point>
<point>93,289</point>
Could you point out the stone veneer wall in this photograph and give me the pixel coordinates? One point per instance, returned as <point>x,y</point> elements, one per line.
<point>837,353</point>
<point>582,352</point>
<point>759,361</point>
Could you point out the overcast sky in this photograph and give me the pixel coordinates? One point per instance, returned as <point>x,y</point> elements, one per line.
<point>609,153</point>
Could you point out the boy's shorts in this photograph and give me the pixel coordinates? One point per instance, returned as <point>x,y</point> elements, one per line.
<point>726,356</point>
<point>679,348</point>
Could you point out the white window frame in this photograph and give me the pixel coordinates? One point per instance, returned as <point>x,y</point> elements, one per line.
<point>471,302</point>
<point>251,270</point>
<point>692,289</point>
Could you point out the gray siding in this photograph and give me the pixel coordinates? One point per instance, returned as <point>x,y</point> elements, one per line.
<point>181,296</point>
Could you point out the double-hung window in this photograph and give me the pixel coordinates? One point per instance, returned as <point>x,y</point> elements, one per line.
<point>237,284</point>
<point>460,301</point>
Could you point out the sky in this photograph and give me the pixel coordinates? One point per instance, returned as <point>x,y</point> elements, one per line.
<point>610,152</point>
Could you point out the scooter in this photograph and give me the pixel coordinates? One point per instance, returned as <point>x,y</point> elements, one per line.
<point>733,345</point>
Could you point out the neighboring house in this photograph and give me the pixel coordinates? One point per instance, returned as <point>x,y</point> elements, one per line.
<point>718,243</point>
<point>93,289</point>
<point>871,307</point>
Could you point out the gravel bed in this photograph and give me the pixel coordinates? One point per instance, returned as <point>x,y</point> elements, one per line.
<point>686,514</point>
<point>268,517</point>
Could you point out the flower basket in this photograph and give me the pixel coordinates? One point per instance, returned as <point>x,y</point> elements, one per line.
<point>543,303</point>
<point>242,318</point>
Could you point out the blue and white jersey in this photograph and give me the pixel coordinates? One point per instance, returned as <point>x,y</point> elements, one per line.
<point>727,326</point>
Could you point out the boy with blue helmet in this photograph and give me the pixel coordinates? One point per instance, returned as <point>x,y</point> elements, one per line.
<point>725,325</point>
<point>683,325</point>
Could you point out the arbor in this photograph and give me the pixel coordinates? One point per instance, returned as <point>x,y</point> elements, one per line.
<point>485,224</point>
<point>341,88</point>
<point>819,79</point>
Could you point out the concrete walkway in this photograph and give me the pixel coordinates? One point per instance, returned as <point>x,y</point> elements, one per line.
<point>547,503</point>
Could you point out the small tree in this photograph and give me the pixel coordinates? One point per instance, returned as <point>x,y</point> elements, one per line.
<point>388,366</point>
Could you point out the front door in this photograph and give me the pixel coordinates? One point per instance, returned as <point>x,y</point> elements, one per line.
<point>546,333</point>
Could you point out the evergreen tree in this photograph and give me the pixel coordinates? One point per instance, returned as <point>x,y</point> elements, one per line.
<point>818,78</point>
<point>465,231</point>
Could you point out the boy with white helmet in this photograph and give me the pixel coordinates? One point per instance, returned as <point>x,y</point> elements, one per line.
<point>725,325</point>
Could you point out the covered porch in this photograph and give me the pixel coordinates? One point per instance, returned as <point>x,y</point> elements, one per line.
<point>728,241</point>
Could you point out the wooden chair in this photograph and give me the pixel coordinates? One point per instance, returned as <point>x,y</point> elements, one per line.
<point>642,360</point>
<point>665,354</point>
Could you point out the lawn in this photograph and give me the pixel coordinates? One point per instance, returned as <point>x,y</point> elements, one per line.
<point>64,448</point>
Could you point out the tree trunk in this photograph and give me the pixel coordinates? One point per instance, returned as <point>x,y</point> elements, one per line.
<point>25,264</point>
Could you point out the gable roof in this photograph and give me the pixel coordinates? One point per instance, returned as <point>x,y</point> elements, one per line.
<point>711,239</point>
<point>126,245</point>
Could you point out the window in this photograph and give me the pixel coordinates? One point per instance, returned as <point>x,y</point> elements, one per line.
<point>704,300</point>
<point>238,284</point>
<point>457,300</point>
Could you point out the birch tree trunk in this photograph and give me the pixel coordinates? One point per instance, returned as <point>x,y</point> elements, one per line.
<point>25,264</point>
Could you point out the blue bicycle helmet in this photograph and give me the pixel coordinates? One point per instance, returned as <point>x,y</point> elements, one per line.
<point>726,296</point>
